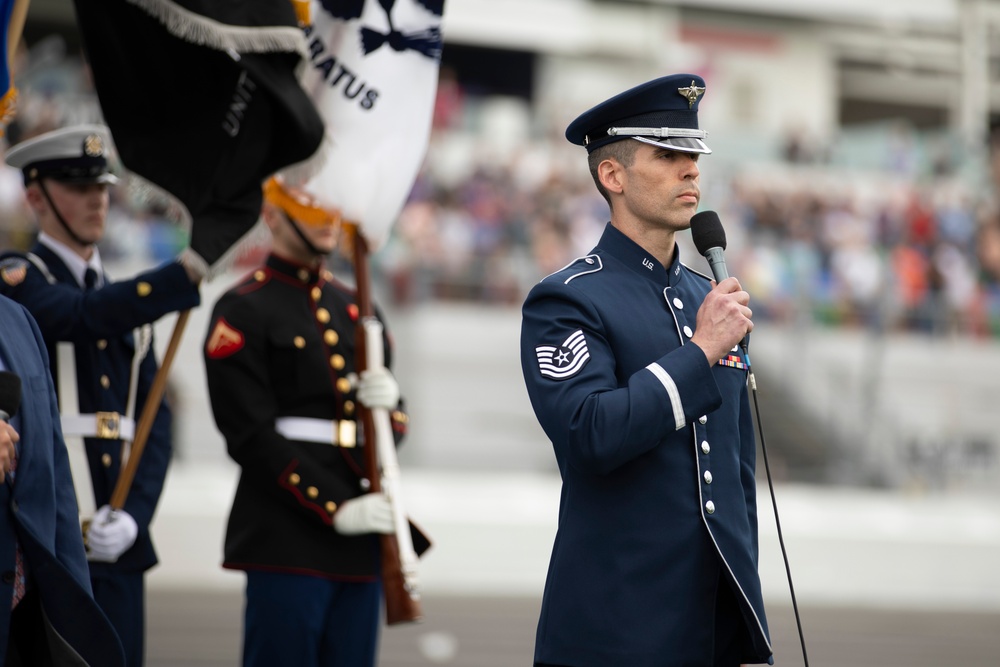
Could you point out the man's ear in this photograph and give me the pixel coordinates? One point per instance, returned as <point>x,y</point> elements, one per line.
<point>612,175</point>
<point>36,201</point>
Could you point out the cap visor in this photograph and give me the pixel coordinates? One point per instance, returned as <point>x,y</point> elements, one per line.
<point>109,179</point>
<point>680,144</point>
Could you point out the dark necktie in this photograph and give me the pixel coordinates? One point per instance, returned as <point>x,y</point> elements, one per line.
<point>89,278</point>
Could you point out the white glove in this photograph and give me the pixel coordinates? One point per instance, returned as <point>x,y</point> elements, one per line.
<point>111,534</point>
<point>370,513</point>
<point>378,389</point>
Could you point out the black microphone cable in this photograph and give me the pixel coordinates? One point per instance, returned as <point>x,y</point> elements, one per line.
<point>774,504</point>
<point>710,239</point>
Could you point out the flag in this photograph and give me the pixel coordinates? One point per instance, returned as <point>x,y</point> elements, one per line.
<point>202,99</point>
<point>372,72</point>
<point>12,15</point>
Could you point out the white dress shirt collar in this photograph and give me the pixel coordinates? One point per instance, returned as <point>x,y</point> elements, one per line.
<point>76,264</point>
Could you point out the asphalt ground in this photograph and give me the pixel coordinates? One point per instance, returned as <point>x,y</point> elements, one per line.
<point>202,628</point>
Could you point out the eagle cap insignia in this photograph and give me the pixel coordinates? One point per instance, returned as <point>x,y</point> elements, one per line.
<point>691,93</point>
<point>93,145</point>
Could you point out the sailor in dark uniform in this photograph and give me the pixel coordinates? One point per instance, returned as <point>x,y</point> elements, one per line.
<point>280,361</point>
<point>99,342</point>
<point>633,369</point>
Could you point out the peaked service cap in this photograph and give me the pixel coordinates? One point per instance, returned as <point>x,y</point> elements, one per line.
<point>662,112</point>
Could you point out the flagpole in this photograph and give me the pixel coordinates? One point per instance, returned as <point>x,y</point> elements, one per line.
<point>402,602</point>
<point>149,410</point>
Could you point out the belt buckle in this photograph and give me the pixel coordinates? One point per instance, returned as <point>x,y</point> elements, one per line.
<point>347,433</point>
<point>108,425</point>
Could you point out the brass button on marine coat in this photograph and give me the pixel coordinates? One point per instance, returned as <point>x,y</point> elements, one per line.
<point>348,408</point>
<point>323,315</point>
<point>143,288</point>
<point>105,381</point>
<point>102,344</point>
<point>303,275</point>
<point>259,276</point>
<point>316,293</point>
<point>331,506</point>
<point>106,460</point>
<point>337,361</point>
<point>293,479</point>
<point>343,385</point>
<point>312,492</point>
<point>299,342</point>
<point>331,337</point>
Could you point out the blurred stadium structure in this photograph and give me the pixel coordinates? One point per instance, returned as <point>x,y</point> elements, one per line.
<point>857,167</point>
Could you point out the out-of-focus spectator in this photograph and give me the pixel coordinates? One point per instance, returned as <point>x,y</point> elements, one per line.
<point>903,244</point>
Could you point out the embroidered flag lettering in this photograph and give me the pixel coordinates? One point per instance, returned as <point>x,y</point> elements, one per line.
<point>565,360</point>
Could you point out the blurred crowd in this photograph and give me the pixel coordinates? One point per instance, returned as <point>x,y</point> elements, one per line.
<point>910,244</point>
<point>913,249</point>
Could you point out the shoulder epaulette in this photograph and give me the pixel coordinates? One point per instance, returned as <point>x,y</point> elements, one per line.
<point>580,266</point>
<point>14,268</point>
<point>252,281</point>
<point>697,273</point>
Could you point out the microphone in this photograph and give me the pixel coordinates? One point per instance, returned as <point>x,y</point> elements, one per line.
<point>710,239</point>
<point>10,394</point>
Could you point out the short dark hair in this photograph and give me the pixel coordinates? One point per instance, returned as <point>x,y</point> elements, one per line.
<point>621,151</point>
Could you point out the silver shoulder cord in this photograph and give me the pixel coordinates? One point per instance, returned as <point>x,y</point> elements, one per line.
<point>774,504</point>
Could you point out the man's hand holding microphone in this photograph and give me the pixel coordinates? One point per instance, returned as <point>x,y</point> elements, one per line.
<point>723,321</point>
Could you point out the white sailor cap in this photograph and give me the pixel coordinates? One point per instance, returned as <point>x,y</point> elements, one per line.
<point>76,154</point>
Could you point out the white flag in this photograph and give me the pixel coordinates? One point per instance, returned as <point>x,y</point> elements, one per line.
<point>373,75</point>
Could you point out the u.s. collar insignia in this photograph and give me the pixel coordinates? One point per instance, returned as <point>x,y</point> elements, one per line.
<point>93,145</point>
<point>563,361</point>
<point>692,93</point>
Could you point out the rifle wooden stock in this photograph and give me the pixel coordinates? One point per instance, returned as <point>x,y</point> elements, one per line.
<point>402,605</point>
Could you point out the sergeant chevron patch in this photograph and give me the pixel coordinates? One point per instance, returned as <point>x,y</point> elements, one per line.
<point>224,341</point>
<point>565,360</point>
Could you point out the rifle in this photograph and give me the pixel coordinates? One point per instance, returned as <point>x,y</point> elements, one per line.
<point>399,560</point>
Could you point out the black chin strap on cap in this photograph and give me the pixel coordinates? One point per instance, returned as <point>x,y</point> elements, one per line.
<point>298,231</point>
<point>62,221</point>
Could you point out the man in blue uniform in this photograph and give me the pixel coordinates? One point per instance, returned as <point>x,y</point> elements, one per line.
<point>281,367</point>
<point>633,368</point>
<point>51,615</point>
<point>99,341</point>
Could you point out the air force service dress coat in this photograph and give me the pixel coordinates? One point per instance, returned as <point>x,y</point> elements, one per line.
<point>280,359</point>
<point>100,323</point>
<point>656,452</point>
<point>40,511</point>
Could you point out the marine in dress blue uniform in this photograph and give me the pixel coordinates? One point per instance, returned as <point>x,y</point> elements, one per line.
<point>655,558</point>
<point>40,540</point>
<point>280,360</point>
<point>66,175</point>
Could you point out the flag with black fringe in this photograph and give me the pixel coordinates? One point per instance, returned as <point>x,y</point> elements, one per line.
<point>203,101</point>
